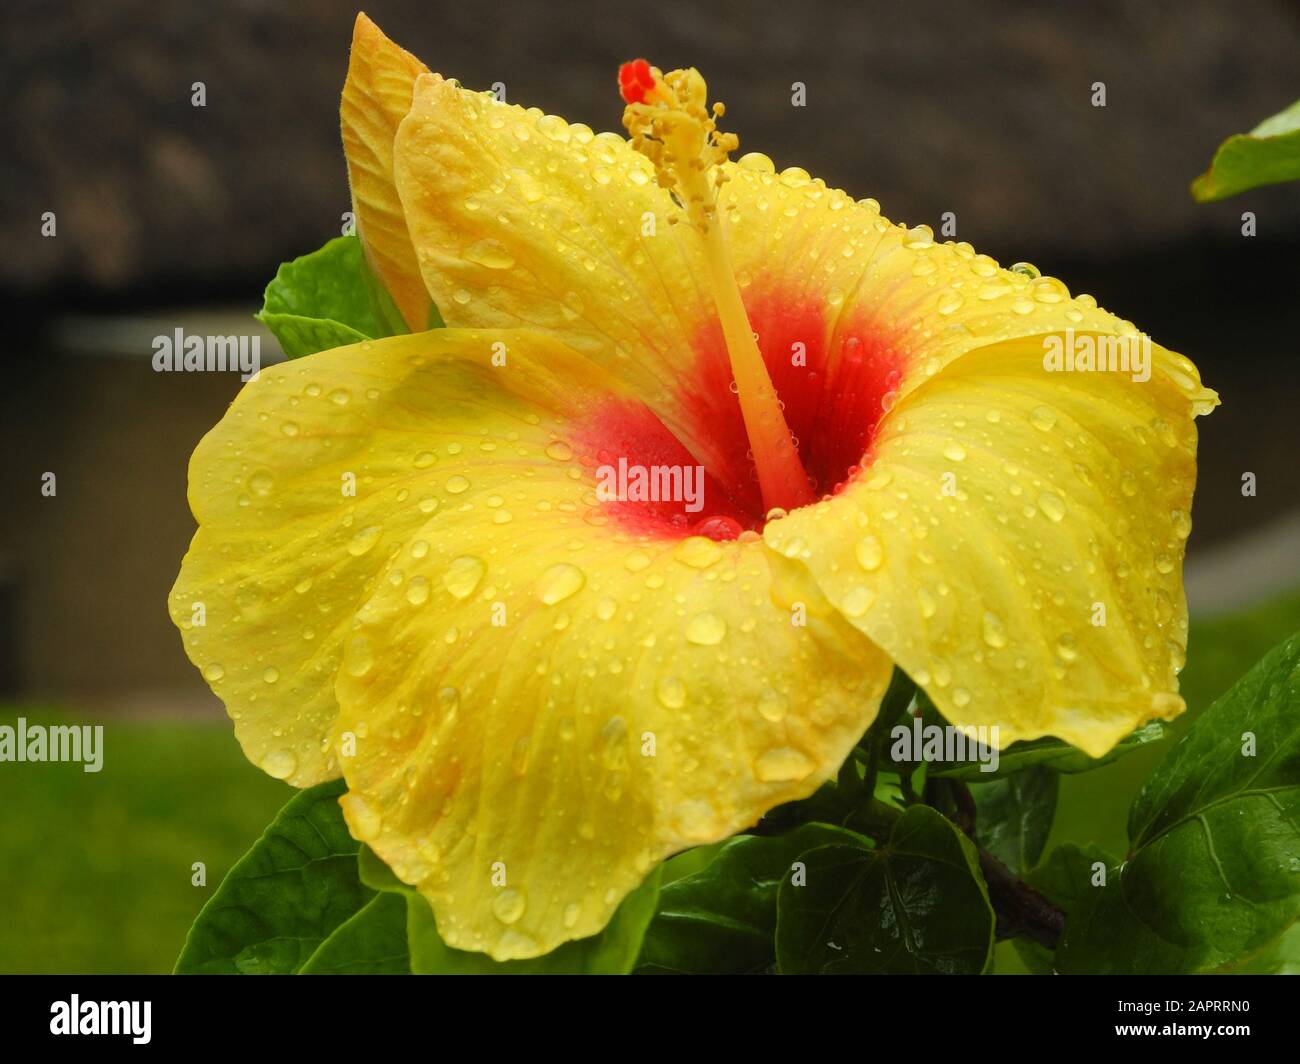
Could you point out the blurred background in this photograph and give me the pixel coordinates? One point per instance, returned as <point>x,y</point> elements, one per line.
<point>173,215</point>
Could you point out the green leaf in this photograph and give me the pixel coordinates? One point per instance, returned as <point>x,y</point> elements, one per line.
<point>1015,815</point>
<point>1048,753</point>
<point>328,299</point>
<point>371,942</point>
<point>1279,957</point>
<point>1063,878</point>
<point>612,952</point>
<point>1213,870</point>
<point>285,896</point>
<point>917,905</point>
<point>722,918</point>
<point>1267,155</point>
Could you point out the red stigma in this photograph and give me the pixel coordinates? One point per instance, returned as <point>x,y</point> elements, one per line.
<point>635,81</point>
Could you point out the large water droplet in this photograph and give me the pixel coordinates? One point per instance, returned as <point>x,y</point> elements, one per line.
<point>869,553</point>
<point>463,576</point>
<point>1043,418</point>
<point>364,540</point>
<point>772,705</point>
<point>559,582</point>
<point>706,629</point>
<point>362,817</point>
<point>1051,505</point>
<point>280,764</point>
<point>995,632</point>
<point>857,601</point>
<point>698,552</point>
<point>261,482</point>
<point>782,764</point>
<point>490,253</point>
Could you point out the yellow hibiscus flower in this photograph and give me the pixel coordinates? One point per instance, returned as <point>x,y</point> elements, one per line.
<point>537,685</point>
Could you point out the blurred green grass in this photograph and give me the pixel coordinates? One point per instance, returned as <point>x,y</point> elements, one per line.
<point>95,868</point>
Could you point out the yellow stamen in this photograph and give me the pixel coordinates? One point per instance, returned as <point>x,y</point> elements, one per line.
<point>671,125</point>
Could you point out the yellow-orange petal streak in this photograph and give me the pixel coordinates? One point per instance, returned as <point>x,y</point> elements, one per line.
<point>376,97</point>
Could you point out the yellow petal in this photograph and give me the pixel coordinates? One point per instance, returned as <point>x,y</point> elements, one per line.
<point>376,97</point>
<point>1015,542</point>
<point>296,518</point>
<point>535,683</point>
<point>521,219</point>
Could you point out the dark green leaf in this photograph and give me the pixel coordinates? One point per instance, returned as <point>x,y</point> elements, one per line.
<point>371,942</point>
<point>1267,155</point>
<point>285,896</point>
<point>612,952</point>
<point>1213,871</point>
<point>1015,815</point>
<point>327,299</point>
<point>1048,753</point>
<point>917,905</point>
<point>1279,957</point>
<point>722,918</point>
<point>1064,879</point>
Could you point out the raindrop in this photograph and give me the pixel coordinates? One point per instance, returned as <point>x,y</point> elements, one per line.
<point>364,540</point>
<point>671,692</point>
<point>559,582</point>
<point>706,629</point>
<point>782,764</point>
<point>463,576</point>
<point>280,764</point>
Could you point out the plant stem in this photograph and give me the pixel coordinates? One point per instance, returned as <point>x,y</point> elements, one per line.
<point>1022,912</point>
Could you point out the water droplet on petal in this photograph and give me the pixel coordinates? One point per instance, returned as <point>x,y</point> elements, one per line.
<point>869,553</point>
<point>364,540</point>
<point>508,906</point>
<point>490,253</point>
<point>1051,505</point>
<point>772,705</point>
<point>417,591</point>
<point>995,632</point>
<point>463,576</point>
<point>280,764</point>
<point>360,655</point>
<point>363,818</point>
<point>706,629</point>
<point>857,601</point>
<point>1043,418</point>
<point>559,582</point>
<point>671,692</point>
<point>782,764</point>
<point>698,552</point>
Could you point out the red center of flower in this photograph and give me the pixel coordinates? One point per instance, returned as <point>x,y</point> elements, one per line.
<point>832,374</point>
<point>635,80</point>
